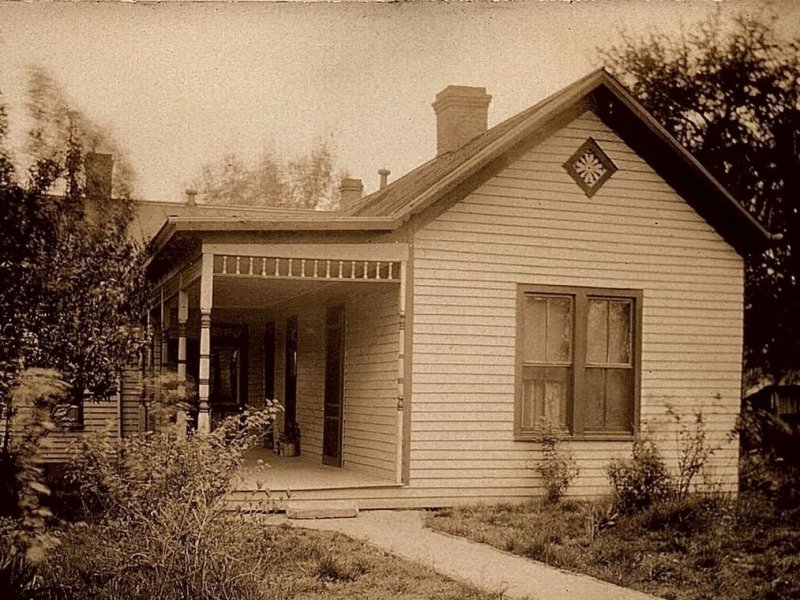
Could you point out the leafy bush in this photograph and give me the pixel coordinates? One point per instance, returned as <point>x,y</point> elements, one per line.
<point>157,520</point>
<point>642,481</point>
<point>693,450</point>
<point>136,476</point>
<point>557,466</point>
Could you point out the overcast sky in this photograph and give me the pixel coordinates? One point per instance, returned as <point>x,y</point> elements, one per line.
<point>181,84</point>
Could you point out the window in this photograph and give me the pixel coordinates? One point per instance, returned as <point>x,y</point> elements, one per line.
<point>577,360</point>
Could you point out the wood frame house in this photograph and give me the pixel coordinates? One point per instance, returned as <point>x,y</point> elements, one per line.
<point>571,265</point>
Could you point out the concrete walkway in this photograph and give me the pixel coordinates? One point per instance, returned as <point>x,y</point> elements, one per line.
<point>402,533</point>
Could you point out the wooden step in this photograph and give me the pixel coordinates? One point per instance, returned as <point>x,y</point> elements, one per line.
<point>323,510</point>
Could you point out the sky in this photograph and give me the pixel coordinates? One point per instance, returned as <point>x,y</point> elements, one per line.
<point>181,84</point>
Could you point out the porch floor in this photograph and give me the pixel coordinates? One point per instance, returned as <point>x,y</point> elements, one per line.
<point>299,473</point>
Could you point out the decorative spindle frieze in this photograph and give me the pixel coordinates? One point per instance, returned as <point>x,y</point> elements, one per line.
<point>307,268</point>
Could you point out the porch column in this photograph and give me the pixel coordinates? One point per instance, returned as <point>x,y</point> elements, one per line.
<point>206,300</point>
<point>183,317</point>
<point>401,379</point>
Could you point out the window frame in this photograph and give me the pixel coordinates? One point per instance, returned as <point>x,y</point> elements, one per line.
<point>575,411</point>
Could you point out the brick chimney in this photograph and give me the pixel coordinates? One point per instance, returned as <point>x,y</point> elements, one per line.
<point>98,169</point>
<point>350,191</point>
<point>461,114</point>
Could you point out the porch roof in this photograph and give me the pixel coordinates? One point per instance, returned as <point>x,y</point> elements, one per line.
<point>286,221</point>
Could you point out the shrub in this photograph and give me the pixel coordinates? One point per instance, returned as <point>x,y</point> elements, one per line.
<point>641,481</point>
<point>157,520</point>
<point>138,475</point>
<point>557,467</point>
<point>693,450</point>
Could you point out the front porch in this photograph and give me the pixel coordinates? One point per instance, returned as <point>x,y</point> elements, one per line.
<point>317,328</point>
<point>289,475</point>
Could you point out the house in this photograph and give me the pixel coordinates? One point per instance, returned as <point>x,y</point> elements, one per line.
<point>779,398</point>
<point>572,264</point>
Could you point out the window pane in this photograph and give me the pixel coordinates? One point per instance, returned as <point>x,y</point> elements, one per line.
<point>545,393</point>
<point>608,400</point>
<point>619,400</point>
<point>559,330</point>
<point>619,331</point>
<point>597,332</point>
<point>594,399</point>
<point>535,330</point>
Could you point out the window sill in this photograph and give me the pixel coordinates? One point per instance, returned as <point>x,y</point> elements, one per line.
<point>587,437</point>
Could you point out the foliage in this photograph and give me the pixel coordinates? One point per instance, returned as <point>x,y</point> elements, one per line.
<point>698,548</point>
<point>158,526</point>
<point>728,92</point>
<point>70,297</point>
<point>769,461</point>
<point>642,481</point>
<point>557,466</point>
<point>74,285</point>
<point>135,477</point>
<point>37,399</point>
<point>303,182</point>
<point>693,450</point>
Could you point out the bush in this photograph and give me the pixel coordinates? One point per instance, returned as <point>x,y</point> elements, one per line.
<point>157,524</point>
<point>642,481</point>
<point>693,450</point>
<point>557,467</point>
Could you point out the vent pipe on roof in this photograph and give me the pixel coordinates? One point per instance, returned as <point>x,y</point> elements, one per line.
<point>191,197</point>
<point>98,169</point>
<point>350,191</point>
<point>462,113</point>
<point>384,173</point>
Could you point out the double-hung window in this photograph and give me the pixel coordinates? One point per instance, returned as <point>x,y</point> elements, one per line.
<point>577,360</point>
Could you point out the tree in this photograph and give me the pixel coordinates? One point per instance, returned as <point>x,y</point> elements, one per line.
<point>303,182</point>
<point>728,91</point>
<point>73,284</point>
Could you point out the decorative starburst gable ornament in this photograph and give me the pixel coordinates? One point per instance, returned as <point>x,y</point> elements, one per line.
<point>590,167</point>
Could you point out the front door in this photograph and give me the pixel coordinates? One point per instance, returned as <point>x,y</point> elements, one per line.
<point>334,386</point>
<point>228,372</point>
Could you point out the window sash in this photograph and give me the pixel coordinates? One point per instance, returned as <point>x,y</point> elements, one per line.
<point>579,416</point>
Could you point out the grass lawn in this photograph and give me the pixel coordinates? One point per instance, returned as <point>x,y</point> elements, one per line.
<point>272,562</point>
<point>698,549</point>
<point>315,565</point>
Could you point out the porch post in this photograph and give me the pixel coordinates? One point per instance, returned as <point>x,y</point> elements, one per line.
<point>163,350</point>
<point>206,300</point>
<point>401,380</point>
<point>183,317</point>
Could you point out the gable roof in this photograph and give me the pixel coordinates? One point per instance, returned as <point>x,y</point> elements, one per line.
<point>453,174</point>
<point>422,187</point>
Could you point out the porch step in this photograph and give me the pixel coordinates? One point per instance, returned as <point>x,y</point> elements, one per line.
<point>326,510</point>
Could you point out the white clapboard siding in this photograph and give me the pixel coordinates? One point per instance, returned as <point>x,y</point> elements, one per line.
<point>370,405</point>
<point>130,390</point>
<point>310,379</point>
<point>532,224</point>
<point>98,417</point>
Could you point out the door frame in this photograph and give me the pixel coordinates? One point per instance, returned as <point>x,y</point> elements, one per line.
<point>341,308</point>
<point>290,372</point>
